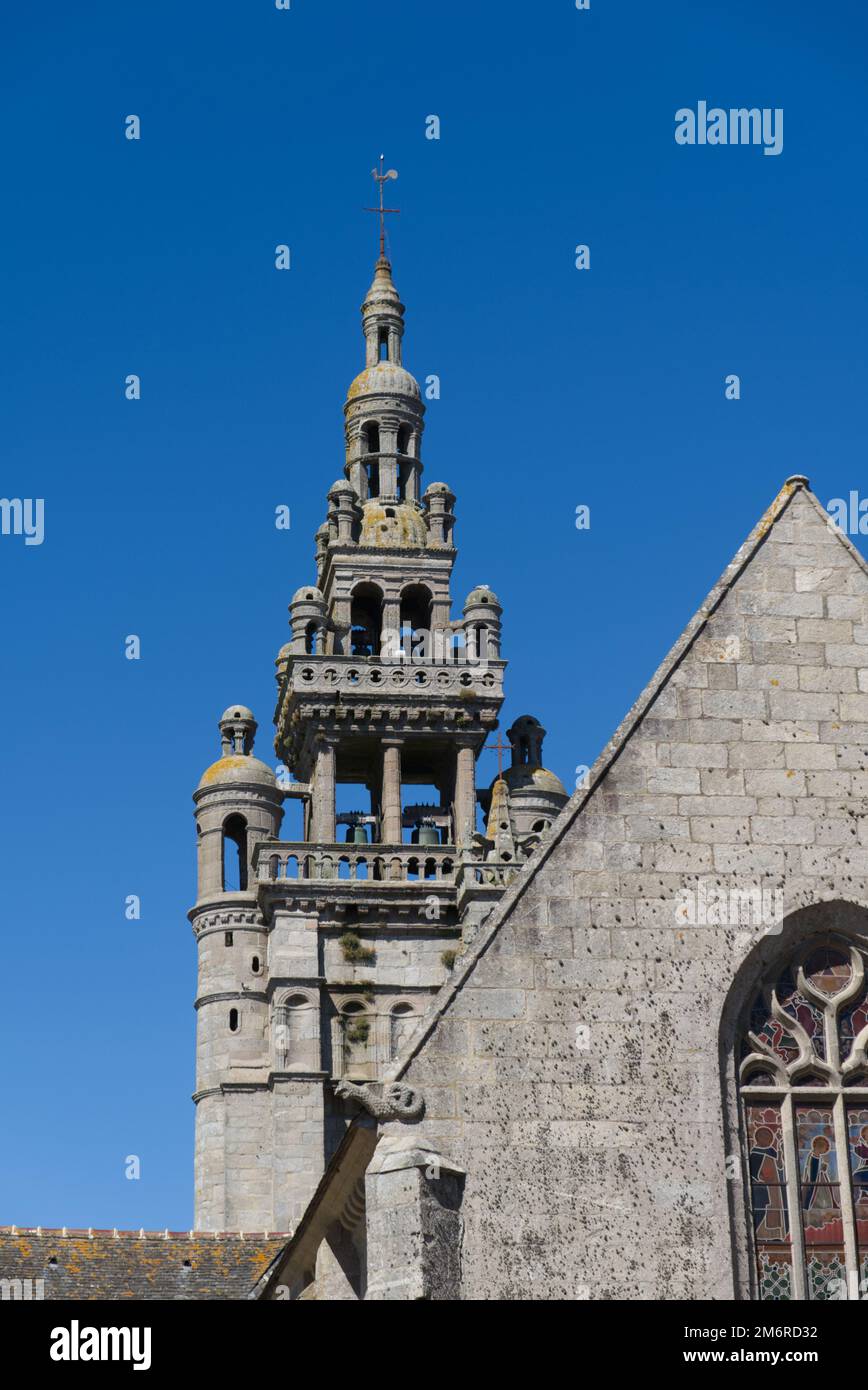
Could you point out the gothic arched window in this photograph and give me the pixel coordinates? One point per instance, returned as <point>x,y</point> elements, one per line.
<point>803,1080</point>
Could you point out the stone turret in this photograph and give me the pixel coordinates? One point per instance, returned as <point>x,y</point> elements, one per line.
<point>535,794</point>
<point>238,806</point>
<point>384,413</point>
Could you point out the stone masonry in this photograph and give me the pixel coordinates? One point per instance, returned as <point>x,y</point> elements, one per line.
<point>580,1068</point>
<point>319,955</point>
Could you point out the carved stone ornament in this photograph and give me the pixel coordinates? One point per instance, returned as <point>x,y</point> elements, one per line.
<point>397,1102</point>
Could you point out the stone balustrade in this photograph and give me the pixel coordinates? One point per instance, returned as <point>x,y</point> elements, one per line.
<point>290,861</point>
<point>372,676</point>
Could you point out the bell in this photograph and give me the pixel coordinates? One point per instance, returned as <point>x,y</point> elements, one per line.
<point>428,835</point>
<point>360,835</point>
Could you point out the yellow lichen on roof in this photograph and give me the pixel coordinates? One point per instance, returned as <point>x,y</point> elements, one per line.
<point>222,765</point>
<point>400,524</point>
<point>771,514</point>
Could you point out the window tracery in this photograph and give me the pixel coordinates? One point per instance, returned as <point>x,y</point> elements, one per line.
<point>803,1079</point>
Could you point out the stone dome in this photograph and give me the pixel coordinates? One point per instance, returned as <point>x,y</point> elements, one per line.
<point>395,524</point>
<point>482,594</point>
<point>384,379</point>
<point>523,778</point>
<point>238,770</point>
<point>238,712</point>
<point>309,594</point>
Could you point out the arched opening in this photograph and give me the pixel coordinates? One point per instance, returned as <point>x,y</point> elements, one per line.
<point>415,617</point>
<point>235,854</point>
<point>371,448</point>
<point>479,644</point>
<point>292,1033</point>
<point>312,639</point>
<point>366,617</point>
<point>401,1023</point>
<point>356,1028</point>
<point>383,345</point>
<point>233,1020</point>
<point>802,1076</point>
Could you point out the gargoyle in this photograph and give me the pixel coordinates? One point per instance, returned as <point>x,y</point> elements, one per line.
<point>397,1102</point>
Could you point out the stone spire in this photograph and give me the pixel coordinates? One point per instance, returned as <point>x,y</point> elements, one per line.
<point>384,411</point>
<point>382,317</point>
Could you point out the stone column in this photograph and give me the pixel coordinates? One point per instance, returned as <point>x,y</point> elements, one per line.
<point>390,800</point>
<point>390,637</point>
<point>341,614</point>
<point>465,793</point>
<point>388,459</point>
<point>324,794</point>
<point>414,1227</point>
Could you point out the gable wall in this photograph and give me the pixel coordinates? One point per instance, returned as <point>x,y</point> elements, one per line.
<point>596,1159</point>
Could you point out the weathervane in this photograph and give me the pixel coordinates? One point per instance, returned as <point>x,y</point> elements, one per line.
<point>381,179</point>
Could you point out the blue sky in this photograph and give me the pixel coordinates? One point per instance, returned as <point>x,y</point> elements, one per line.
<point>559,388</point>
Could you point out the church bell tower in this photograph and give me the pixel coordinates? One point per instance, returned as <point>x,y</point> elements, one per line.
<point>384,704</point>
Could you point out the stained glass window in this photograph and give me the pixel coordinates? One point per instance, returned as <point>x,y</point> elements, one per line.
<point>769,1200</point>
<point>857,1135</point>
<point>804,1086</point>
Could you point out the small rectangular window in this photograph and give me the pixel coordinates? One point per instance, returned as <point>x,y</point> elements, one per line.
<point>227,940</point>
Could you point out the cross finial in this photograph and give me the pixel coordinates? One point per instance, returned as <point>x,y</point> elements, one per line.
<point>383,178</point>
<point>500,747</point>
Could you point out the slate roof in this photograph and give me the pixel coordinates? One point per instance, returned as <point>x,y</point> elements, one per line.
<point>140,1266</point>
